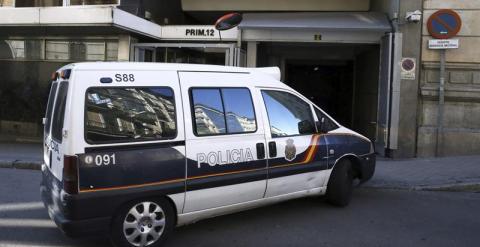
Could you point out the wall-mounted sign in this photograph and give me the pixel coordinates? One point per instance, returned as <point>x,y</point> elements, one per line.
<point>444,24</point>
<point>408,66</point>
<point>197,32</point>
<point>200,32</point>
<point>443,44</point>
<point>317,37</point>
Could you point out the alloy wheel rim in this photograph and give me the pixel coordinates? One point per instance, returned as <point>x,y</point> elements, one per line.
<point>144,224</point>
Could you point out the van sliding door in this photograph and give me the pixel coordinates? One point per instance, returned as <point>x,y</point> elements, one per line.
<point>225,140</point>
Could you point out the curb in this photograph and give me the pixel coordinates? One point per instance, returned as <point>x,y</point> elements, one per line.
<point>451,187</point>
<point>20,164</point>
<point>456,187</point>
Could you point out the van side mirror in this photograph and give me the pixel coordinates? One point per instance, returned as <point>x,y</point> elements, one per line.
<point>305,127</point>
<point>321,126</point>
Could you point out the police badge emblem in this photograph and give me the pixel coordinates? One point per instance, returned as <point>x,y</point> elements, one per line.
<point>290,150</point>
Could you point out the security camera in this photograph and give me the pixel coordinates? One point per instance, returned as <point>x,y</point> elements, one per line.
<point>414,16</point>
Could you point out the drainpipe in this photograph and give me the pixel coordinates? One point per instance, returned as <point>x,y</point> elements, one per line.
<point>395,17</point>
<point>441,103</point>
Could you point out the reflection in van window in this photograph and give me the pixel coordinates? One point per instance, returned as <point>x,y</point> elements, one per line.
<point>223,110</point>
<point>59,111</point>
<point>326,124</point>
<point>209,112</point>
<point>48,114</point>
<point>288,114</point>
<point>129,114</point>
<point>239,110</point>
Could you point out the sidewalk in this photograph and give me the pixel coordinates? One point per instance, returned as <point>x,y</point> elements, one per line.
<point>21,155</point>
<point>411,174</point>
<point>427,173</point>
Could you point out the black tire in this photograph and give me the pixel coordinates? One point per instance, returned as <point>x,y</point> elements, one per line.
<point>340,184</point>
<point>118,236</point>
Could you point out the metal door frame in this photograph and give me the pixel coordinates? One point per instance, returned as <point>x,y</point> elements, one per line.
<point>392,93</point>
<point>384,92</point>
<point>231,57</point>
<point>139,53</point>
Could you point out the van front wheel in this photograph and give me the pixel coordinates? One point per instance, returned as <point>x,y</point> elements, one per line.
<point>142,223</point>
<point>340,184</point>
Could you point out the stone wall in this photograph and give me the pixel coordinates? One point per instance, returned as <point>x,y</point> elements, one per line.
<point>405,128</point>
<point>462,86</point>
<point>8,3</point>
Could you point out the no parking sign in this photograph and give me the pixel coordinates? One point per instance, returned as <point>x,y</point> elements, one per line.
<point>408,65</point>
<point>444,24</point>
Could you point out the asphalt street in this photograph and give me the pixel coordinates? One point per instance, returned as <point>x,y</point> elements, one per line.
<point>376,217</point>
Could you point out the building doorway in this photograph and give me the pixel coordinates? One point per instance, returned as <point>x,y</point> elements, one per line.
<point>326,83</point>
<point>195,53</point>
<point>342,79</point>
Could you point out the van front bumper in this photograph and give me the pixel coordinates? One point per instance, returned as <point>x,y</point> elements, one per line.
<point>367,167</point>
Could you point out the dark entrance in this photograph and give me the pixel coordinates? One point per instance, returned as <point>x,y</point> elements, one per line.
<point>342,79</point>
<point>327,84</point>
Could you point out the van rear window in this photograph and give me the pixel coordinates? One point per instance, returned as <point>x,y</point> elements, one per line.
<point>48,114</point>
<point>59,111</point>
<point>129,114</point>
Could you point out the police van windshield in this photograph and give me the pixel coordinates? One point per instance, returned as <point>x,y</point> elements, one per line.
<point>129,114</point>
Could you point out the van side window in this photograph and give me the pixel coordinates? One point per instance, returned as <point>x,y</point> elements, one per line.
<point>220,111</point>
<point>59,111</point>
<point>48,114</point>
<point>325,124</point>
<point>239,110</point>
<point>208,111</point>
<point>129,114</point>
<point>288,114</point>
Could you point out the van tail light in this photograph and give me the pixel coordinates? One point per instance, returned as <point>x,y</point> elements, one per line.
<point>54,76</point>
<point>65,74</point>
<point>70,174</point>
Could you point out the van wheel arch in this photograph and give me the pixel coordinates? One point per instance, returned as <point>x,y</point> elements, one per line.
<point>354,161</point>
<point>146,198</point>
<point>166,204</point>
<point>340,183</point>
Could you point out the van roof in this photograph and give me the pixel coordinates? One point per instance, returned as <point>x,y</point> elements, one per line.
<point>271,71</point>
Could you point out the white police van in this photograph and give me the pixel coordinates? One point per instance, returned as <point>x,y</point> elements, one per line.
<point>134,149</point>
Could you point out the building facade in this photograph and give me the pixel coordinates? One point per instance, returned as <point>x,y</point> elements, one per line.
<point>344,55</point>
<point>461,117</point>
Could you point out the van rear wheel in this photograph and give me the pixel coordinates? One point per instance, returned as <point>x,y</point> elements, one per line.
<point>143,223</point>
<point>340,184</point>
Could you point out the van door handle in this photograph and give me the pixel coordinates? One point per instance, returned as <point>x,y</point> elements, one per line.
<point>50,158</point>
<point>272,149</point>
<point>260,151</point>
